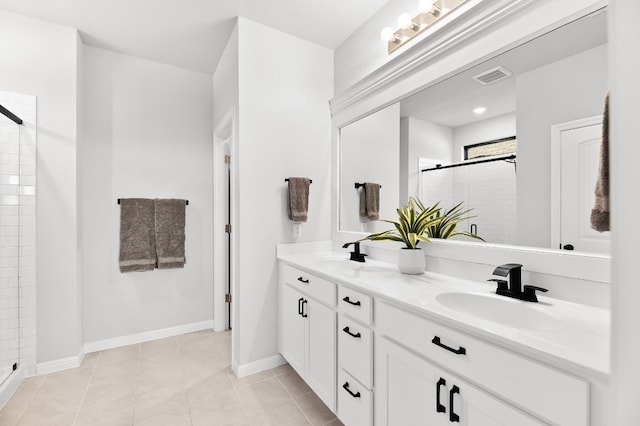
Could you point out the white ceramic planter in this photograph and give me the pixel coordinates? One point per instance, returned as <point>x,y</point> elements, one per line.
<point>411,261</point>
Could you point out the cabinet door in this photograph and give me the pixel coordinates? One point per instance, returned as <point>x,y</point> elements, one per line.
<point>293,329</point>
<point>407,387</point>
<point>321,367</point>
<point>469,406</point>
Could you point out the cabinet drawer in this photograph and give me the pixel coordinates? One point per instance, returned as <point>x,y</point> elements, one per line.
<point>354,401</point>
<point>355,350</point>
<point>318,288</point>
<point>355,304</point>
<point>557,397</point>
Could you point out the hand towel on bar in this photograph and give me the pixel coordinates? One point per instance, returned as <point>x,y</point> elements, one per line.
<point>600,211</point>
<point>137,235</point>
<point>299,199</point>
<point>370,201</point>
<point>170,235</point>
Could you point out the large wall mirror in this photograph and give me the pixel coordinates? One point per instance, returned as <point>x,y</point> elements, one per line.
<point>515,138</point>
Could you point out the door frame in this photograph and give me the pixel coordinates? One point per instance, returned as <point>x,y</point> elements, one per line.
<point>224,133</point>
<point>556,171</point>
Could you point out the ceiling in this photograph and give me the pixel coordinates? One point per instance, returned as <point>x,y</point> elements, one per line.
<point>192,34</point>
<point>451,102</point>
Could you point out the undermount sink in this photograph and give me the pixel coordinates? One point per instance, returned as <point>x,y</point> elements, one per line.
<point>502,310</point>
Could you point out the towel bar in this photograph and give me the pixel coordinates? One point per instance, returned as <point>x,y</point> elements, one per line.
<point>359,185</point>
<point>187,201</point>
<point>287,180</point>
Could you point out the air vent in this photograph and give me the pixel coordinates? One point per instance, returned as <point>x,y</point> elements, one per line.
<point>492,75</point>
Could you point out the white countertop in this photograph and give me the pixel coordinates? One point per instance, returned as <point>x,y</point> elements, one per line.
<point>577,341</point>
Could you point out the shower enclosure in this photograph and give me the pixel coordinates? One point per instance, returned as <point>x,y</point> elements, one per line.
<point>10,128</point>
<point>17,240</point>
<point>488,186</point>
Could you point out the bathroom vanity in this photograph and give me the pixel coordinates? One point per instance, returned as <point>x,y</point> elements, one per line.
<point>379,347</point>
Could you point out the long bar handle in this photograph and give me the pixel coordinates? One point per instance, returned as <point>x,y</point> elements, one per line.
<point>356,303</point>
<point>346,387</point>
<point>302,280</point>
<point>304,302</point>
<point>357,335</point>
<point>459,351</point>
<point>300,305</point>
<point>439,407</point>
<point>453,417</point>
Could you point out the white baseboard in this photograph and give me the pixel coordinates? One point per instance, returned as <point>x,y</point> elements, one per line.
<point>10,386</point>
<point>258,366</point>
<point>146,336</point>
<point>59,364</point>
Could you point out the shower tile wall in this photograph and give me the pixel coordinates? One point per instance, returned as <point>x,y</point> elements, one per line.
<point>18,233</point>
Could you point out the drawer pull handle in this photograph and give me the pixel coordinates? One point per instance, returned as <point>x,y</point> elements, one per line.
<point>459,351</point>
<point>304,302</point>
<point>356,303</point>
<point>357,335</point>
<point>439,407</point>
<point>346,387</point>
<point>453,417</point>
<point>302,280</point>
<point>300,305</point>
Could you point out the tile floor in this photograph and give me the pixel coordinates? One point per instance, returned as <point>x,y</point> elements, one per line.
<point>178,381</point>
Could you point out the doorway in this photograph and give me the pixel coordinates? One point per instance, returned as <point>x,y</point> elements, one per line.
<point>223,211</point>
<point>577,146</point>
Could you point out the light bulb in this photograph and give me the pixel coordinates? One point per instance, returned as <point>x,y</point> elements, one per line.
<point>479,110</point>
<point>387,34</point>
<point>424,6</point>
<point>405,21</point>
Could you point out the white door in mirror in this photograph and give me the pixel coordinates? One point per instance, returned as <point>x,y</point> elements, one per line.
<point>580,148</point>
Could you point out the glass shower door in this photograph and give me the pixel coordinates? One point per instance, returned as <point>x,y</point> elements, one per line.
<point>9,247</point>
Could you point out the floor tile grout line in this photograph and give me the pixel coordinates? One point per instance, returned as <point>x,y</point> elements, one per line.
<point>294,400</point>
<point>86,390</point>
<point>33,394</point>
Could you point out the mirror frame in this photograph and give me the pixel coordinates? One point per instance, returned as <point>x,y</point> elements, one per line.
<point>482,32</point>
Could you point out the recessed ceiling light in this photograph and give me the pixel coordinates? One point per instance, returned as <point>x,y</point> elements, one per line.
<point>479,110</point>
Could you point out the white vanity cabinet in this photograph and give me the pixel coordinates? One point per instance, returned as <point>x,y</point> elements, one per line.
<point>308,330</point>
<point>410,390</point>
<point>375,359</point>
<point>355,357</point>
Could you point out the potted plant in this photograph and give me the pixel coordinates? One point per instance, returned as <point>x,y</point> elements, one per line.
<point>445,227</point>
<point>414,219</point>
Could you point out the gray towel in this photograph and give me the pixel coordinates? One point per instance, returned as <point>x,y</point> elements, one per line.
<point>299,199</point>
<point>137,235</point>
<point>600,211</point>
<point>170,223</point>
<point>370,201</point>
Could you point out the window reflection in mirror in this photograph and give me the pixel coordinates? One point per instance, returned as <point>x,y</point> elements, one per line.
<point>554,83</point>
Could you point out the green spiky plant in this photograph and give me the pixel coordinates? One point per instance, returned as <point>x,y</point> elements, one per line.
<point>445,224</point>
<point>414,219</point>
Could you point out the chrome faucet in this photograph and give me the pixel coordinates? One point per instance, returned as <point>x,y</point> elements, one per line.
<point>356,256</point>
<point>513,287</point>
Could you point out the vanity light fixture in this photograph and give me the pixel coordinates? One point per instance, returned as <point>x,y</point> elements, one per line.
<point>429,12</point>
<point>479,110</point>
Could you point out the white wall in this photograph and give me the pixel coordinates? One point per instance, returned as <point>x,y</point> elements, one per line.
<point>284,130</point>
<point>148,134</point>
<point>625,173</point>
<point>225,79</point>
<point>578,84</point>
<point>369,152</point>
<point>421,139</point>
<point>40,59</point>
